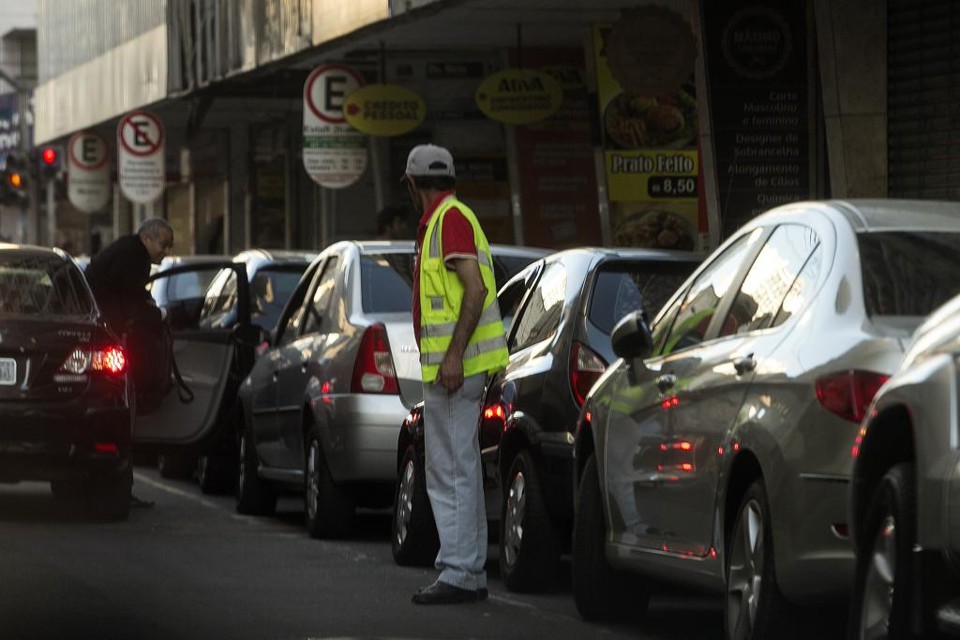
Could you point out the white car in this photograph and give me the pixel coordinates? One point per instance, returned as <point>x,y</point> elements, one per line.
<point>904,507</point>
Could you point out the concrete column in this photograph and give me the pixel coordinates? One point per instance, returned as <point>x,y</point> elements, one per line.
<point>238,203</point>
<point>852,43</point>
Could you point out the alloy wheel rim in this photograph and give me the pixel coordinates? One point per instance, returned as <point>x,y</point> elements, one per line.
<point>513,519</point>
<point>878,584</point>
<point>313,484</point>
<point>745,578</point>
<point>405,502</point>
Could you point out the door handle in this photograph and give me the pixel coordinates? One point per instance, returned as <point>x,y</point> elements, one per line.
<point>665,382</point>
<point>746,364</point>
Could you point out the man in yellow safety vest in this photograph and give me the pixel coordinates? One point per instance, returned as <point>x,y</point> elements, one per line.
<point>460,335</point>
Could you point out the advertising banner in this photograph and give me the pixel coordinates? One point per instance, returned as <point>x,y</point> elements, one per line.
<point>384,110</point>
<point>334,153</point>
<point>645,64</point>
<point>558,185</point>
<point>519,96</point>
<point>759,85</point>
<point>88,171</point>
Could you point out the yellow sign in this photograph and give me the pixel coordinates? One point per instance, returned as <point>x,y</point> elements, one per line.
<point>384,110</point>
<point>519,96</point>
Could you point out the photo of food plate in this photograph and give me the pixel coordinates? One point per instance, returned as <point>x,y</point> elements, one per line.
<point>655,229</point>
<point>634,121</point>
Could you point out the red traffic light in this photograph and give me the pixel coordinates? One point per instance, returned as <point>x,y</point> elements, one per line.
<point>49,156</point>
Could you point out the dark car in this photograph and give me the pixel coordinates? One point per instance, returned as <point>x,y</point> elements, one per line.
<point>319,411</point>
<point>215,342</point>
<point>65,397</point>
<point>559,313</point>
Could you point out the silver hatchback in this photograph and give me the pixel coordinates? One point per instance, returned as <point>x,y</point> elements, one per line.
<point>716,452</point>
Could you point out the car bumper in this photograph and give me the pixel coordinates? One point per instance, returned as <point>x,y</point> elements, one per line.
<point>815,558</point>
<point>60,441</point>
<point>361,442</point>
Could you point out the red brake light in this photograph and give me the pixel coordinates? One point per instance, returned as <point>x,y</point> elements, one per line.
<point>111,359</point>
<point>848,393</point>
<point>373,371</point>
<point>586,367</point>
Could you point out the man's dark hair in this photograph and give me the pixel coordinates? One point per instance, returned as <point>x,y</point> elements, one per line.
<point>437,183</point>
<point>387,215</point>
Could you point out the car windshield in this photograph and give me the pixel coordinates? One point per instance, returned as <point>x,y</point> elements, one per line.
<point>42,285</point>
<point>908,273</point>
<point>622,287</point>
<point>385,281</point>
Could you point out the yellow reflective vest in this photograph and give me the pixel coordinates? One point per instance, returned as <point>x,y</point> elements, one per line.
<point>441,295</point>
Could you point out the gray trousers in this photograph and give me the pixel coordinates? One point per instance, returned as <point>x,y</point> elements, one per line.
<point>455,481</point>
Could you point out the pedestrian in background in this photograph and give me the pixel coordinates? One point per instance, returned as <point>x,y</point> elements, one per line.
<point>118,278</point>
<point>461,339</point>
<point>392,224</point>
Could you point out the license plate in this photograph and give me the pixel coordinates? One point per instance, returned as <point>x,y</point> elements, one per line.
<point>8,371</point>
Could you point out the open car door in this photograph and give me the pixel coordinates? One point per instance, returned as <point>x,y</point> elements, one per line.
<point>213,350</point>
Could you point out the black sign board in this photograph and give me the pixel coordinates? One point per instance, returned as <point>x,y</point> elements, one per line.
<point>759,95</point>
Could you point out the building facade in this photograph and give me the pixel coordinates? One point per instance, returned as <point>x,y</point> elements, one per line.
<point>677,120</point>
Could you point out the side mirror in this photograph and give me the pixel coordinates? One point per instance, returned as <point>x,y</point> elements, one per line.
<point>631,337</point>
<point>249,335</point>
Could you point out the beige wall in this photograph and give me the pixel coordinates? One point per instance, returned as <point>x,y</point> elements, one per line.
<point>852,43</point>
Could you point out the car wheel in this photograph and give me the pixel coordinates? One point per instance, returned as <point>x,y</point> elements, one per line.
<point>329,508</point>
<point>254,496</point>
<point>754,606</point>
<point>414,538</point>
<point>529,548</point>
<point>216,474</point>
<point>882,594</point>
<point>108,496</point>
<point>599,591</point>
<point>176,466</point>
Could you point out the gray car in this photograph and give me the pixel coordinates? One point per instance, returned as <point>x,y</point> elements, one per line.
<point>905,516</point>
<point>716,452</point>
<point>320,408</point>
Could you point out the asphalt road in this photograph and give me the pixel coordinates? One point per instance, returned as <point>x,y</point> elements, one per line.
<point>190,567</point>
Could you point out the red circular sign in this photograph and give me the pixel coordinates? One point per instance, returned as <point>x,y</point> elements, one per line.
<point>138,122</point>
<point>314,76</point>
<point>81,162</point>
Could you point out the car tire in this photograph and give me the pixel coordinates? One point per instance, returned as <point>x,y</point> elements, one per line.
<point>529,547</point>
<point>754,607</point>
<point>883,593</point>
<point>176,466</point>
<point>599,591</point>
<point>216,474</point>
<point>329,509</point>
<point>108,496</point>
<point>413,534</point>
<point>254,496</point>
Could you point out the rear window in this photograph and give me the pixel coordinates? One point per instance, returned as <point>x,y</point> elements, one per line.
<point>386,282</point>
<point>622,288</point>
<point>908,273</point>
<point>42,286</point>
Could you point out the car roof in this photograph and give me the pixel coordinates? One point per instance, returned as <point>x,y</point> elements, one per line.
<point>33,250</point>
<point>866,215</point>
<point>628,253</point>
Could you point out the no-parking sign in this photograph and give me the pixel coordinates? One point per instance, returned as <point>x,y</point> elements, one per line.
<point>88,171</point>
<point>334,153</point>
<point>141,159</point>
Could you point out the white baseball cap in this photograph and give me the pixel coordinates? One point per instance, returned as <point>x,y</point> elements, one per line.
<point>430,160</point>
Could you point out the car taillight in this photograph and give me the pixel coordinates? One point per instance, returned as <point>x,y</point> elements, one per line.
<point>373,371</point>
<point>848,393</point>
<point>586,367</point>
<point>111,360</point>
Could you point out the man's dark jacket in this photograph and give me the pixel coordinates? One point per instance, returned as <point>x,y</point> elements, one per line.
<point>118,277</point>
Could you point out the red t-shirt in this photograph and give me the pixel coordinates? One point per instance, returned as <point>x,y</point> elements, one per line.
<point>457,242</point>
